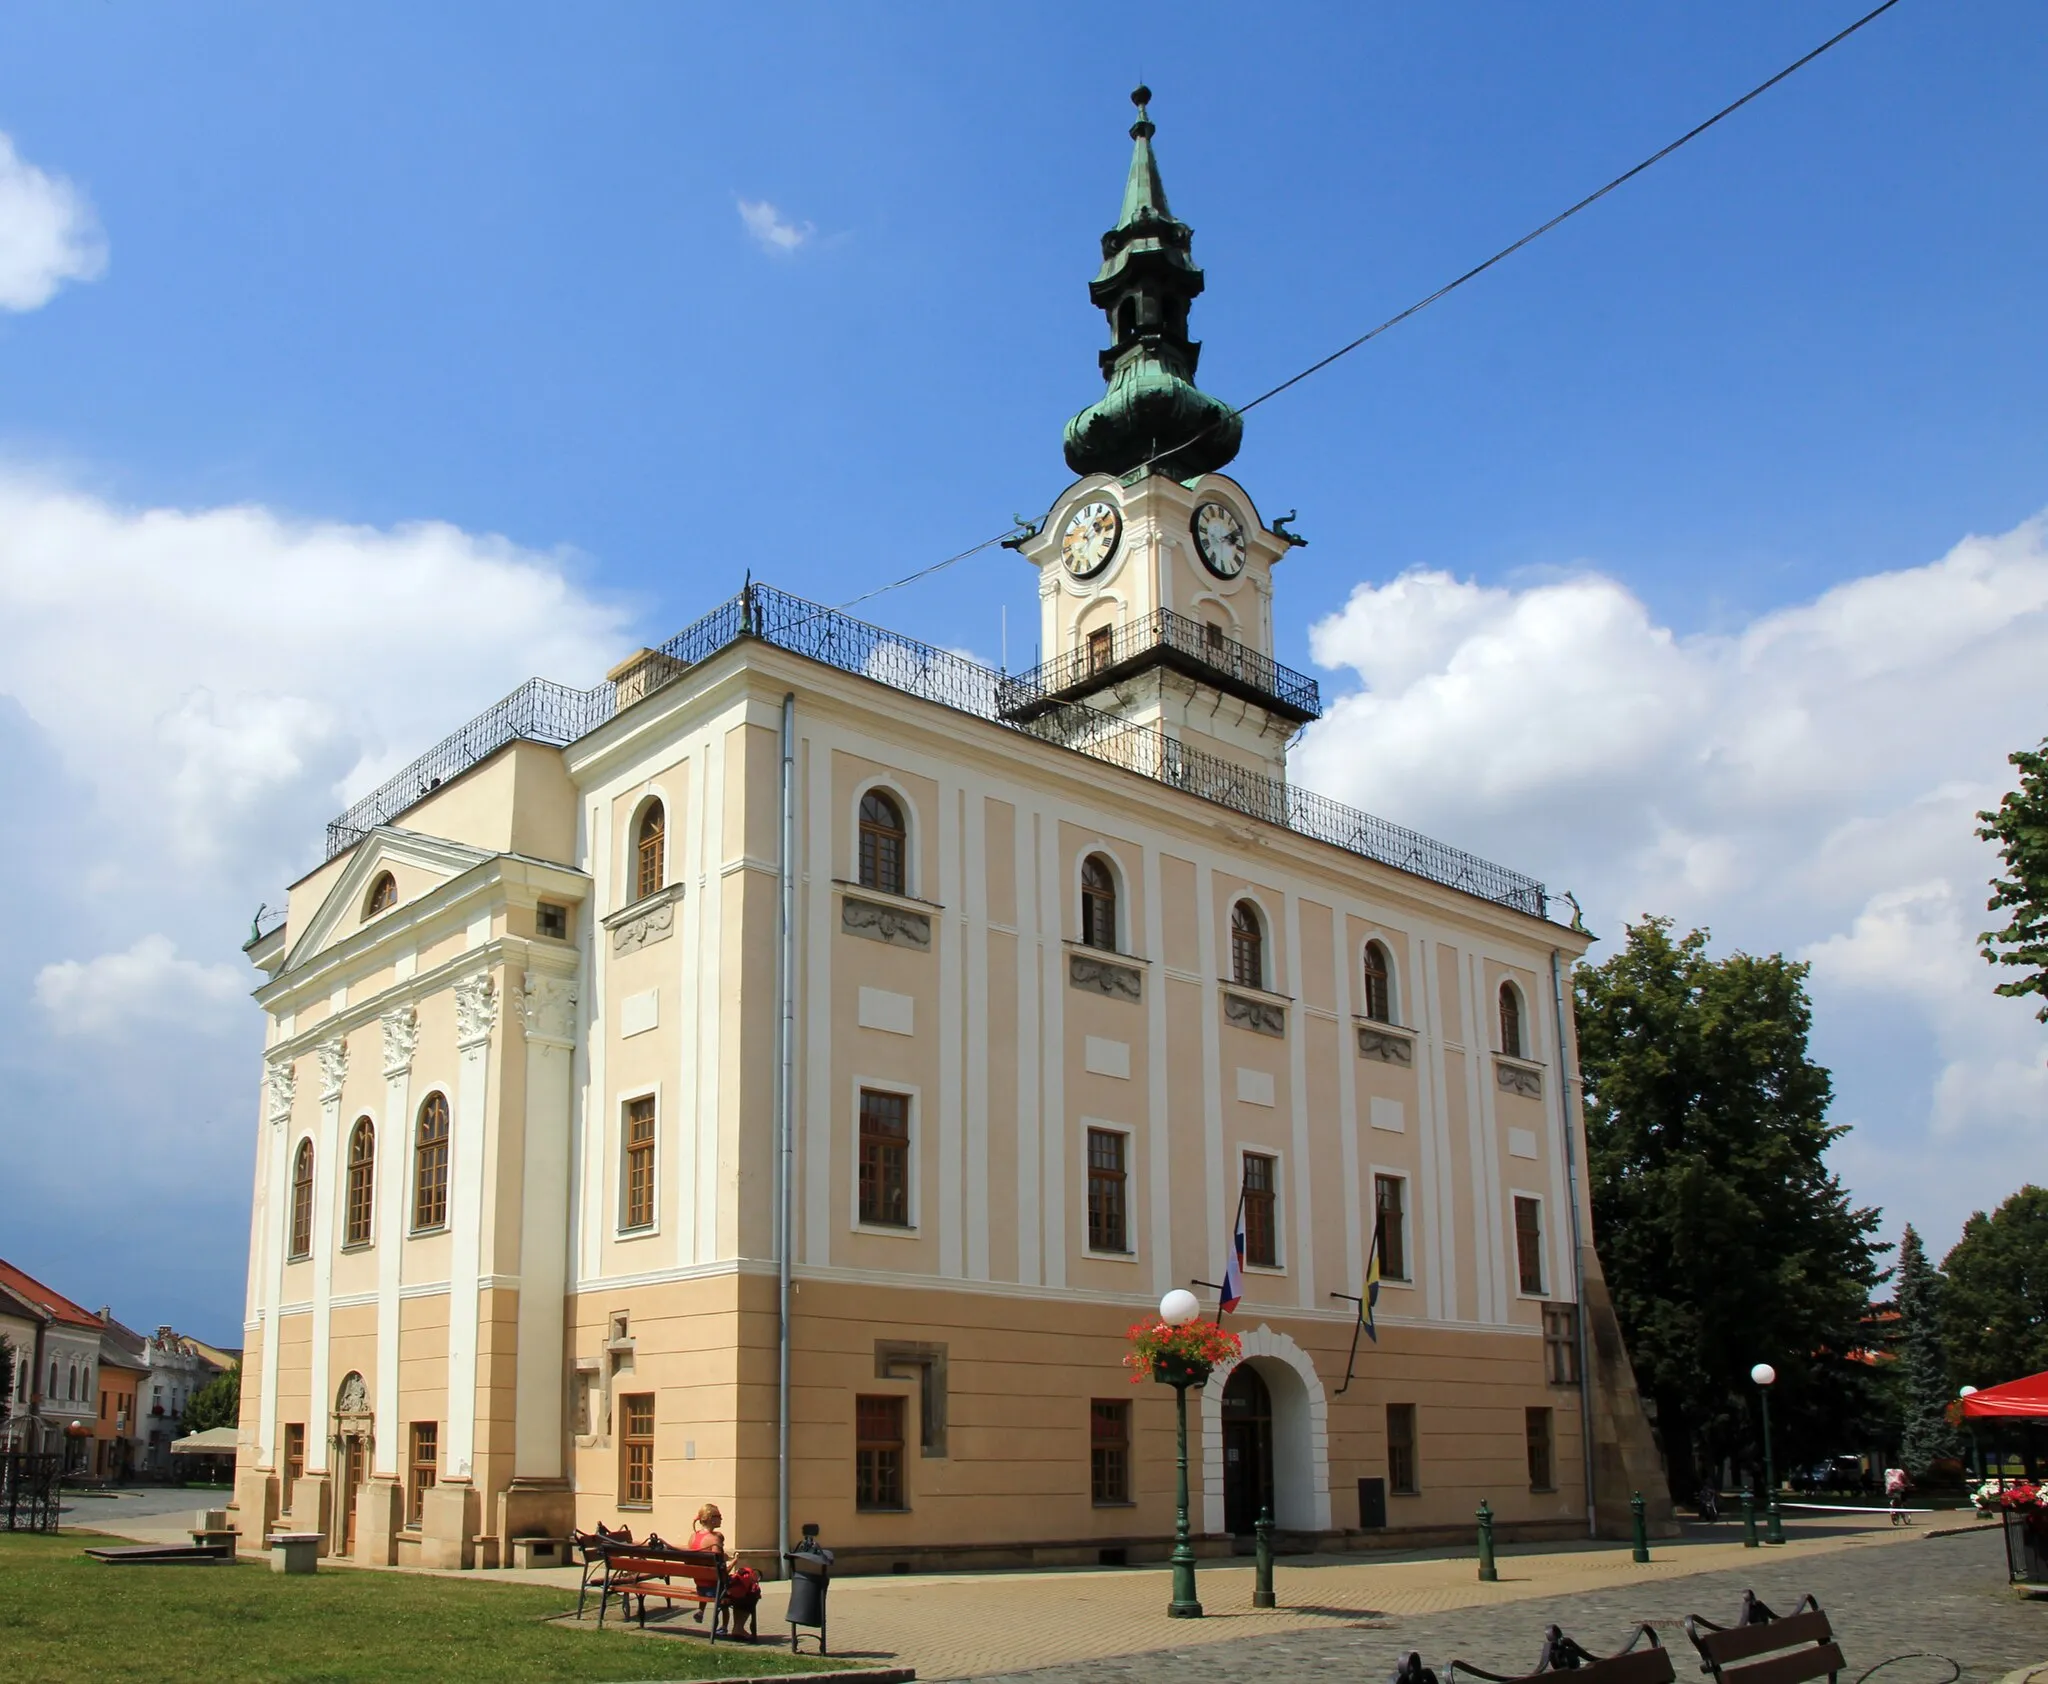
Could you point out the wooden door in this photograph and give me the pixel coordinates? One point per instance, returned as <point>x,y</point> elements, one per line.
<point>352,1469</point>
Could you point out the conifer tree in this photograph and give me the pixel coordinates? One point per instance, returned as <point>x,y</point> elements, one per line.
<point>1929,1436</point>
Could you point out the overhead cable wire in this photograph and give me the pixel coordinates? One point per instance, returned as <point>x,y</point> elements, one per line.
<point>1448,287</point>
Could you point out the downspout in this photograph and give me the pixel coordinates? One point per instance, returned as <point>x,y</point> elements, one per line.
<point>785,1122</point>
<point>1571,1181</point>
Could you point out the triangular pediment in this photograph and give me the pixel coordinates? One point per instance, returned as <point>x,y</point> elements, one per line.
<point>420,862</point>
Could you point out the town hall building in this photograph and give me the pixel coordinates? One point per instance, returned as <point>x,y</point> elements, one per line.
<point>781,1074</point>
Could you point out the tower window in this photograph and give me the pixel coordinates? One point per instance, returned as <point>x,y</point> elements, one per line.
<point>1261,1230</point>
<point>1098,904</point>
<point>1098,650</point>
<point>302,1201</point>
<point>362,1181</point>
<point>1379,984</point>
<point>649,844</point>
<point>881,843</point>
<point>1247,946</point>
<point>1510,1020</point>
<point>430,1164</point>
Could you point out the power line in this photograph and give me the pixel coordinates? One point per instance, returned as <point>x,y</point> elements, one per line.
<point>1448,287</point>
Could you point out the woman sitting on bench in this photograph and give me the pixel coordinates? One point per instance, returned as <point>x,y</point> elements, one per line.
<point>742,1584</point>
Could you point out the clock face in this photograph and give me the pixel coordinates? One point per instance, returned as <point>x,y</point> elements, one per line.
<point>1090,538</point>
<point>1219,535</point>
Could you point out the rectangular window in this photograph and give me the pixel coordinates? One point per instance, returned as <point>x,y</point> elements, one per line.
<point>294,1461</point>
<point>421,1464</point>
<point>1109,1449</point>
<point>1261,1232</point>
<point>885,1158</point>
<point>1390,1210</point>
<point>1107,1182</point>
<point>640,1163</point>
<point>1098,649</point>
<point>551,919</point>
<point>1538,1430</point>
<point>1404,1477</point>
<point>636,1449</point>
<point>1529,1243</point>
<point>1561,1344</point>
<point>878,1453</point>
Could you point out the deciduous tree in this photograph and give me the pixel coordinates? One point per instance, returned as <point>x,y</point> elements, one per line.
<point>218,1403</point>
<point>1994,1312</point>
<point>2019,825</point>
<point>1726,1239</point>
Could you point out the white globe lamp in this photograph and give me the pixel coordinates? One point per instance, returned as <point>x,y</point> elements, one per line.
<point>1179,1307</point>
<point>1764,1374</point>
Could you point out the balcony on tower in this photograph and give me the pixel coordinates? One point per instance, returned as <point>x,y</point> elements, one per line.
<point>1196,649</point>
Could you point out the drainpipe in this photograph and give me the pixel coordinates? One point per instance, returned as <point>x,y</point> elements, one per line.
<point>1571,1182</point>
<point>785,1107</point>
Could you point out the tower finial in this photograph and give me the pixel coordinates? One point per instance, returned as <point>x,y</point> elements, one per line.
<point>1142,129</point>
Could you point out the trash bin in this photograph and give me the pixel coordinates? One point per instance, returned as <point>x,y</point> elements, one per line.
<point>810,1578</point>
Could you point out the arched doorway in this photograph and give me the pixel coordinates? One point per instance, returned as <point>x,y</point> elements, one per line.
<point>1297,1476</point>
<point>1247,1411</point>
<point>353,1437</point>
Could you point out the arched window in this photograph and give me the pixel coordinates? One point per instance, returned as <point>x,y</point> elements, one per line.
<point>1247,946</point>
<point>881,843</point>
<point>649,843</point>
<point>302,1201</point>
<point>71,1384</point>
<point>53,1382</point>
<point>1098,903</point>
<point>1510,1020</point>
<point>430,1164</point>
<point>1379,984</point>
<point>383,895</point>
<point>362,1181</point>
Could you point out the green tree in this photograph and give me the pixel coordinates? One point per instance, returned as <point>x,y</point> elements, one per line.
<point>1929,1436</point>
<point>1725,1238</point>
<point>1994,1309</point>
<point>218,1403</point>
<point>2019,825</point>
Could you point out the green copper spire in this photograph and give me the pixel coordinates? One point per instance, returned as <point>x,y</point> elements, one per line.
<point>1147,281</point>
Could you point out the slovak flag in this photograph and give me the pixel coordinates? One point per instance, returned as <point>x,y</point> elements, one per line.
<point>1232,1293</point>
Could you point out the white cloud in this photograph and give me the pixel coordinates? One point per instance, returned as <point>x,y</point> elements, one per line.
<point>48,233</point>
<point>147,983</point>
<point>771,230</point>
<point>1807,783</point>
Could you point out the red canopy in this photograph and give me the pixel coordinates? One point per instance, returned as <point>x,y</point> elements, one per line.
<point>2022,1398</point>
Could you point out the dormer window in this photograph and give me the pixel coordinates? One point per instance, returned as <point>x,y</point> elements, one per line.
<point>383,895</point>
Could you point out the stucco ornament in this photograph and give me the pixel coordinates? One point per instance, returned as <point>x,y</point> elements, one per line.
<point>1385,1046</point>
<point>1260,1016</point>
<point>1518,1078</point>
<point>476,1009</point>
<point>354,1396</point>
<point>657,923</point>
<point>892,924</point>
<point>547,1007</point>
<point>1119,982</point>
<point>401,1036</point>
<point>333,1068</point>
<point>283,1085</point>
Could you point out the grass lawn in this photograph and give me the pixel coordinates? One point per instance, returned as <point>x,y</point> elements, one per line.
<point>65,1617</point>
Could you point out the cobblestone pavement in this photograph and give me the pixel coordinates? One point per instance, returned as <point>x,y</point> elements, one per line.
<point>1946,1594</point>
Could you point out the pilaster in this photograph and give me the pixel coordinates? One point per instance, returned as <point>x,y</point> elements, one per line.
<point>327,1174</point>
<point>401,1036</point>
<point>476,1015</point>
<point>547,1009</point>
<point>280,1088</point>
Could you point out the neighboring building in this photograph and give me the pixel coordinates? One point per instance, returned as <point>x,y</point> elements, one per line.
<point>1078,978</point>
<point>21,1331</point>
<point>65,1381</point>
<point>173,1368</point>
<point>122,1367</point>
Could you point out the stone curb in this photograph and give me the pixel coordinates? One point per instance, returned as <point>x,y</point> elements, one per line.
<point>852,1675</point>
<point>2024,1673</point>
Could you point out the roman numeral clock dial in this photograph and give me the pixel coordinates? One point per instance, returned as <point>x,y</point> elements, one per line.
<point>1091,538</point>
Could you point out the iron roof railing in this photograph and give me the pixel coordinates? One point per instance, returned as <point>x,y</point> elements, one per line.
<point>1167,638</point>
<point>540,711</point>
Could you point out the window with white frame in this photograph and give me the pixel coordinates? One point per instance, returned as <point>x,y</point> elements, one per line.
<point>1529,1244</point>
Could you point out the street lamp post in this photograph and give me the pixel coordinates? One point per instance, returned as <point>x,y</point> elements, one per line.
<point>1177,1309</point>
<point>1766,1377</point>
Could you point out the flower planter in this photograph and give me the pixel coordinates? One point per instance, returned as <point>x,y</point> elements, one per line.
<point>2026,1546</point>
<point>1171,1371</point>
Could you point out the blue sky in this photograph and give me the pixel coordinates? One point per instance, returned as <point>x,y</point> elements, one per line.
<point>369,267</point>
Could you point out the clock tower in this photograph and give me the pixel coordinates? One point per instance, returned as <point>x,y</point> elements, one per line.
<point>1155,568</point>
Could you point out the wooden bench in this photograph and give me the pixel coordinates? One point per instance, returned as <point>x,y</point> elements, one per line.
<point>644,1570</point>
<point>1650,1664</point>
<point>1766,1648</point>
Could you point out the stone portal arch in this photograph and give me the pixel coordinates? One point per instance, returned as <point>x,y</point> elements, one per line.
<point>1301,1434</point>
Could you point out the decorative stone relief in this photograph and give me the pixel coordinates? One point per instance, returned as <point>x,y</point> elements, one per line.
<point>1262,1017</point>
<point>892,924</point>
<point>284,1084</point>
<point>1119,982</point>
<point>353,1398</point>
<point>547,1007</point>
<point>333,1068</point>
<point>1518,1078</point>
<point>401,1035</point>
<point>1387,1048</point>
<point>644,929</point>
<point>476,1009</point>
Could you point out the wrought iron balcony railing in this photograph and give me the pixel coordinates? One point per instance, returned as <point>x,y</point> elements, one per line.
<point>553,713</point>
<point>1163,638</point>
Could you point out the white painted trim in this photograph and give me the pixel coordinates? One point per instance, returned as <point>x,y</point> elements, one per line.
<point>974,934</point>
<point>1219,1207</point>
<point>1029,1069</point>
<point>818,957</point>
<point>1298,1506</point>
<point>1106,1125</point>
<point>1400,1173</point>
<point>1052,1093</point>
<point>1297,1082</point>
<point>1157,1112</point>
<point>395,1221</point>
<point>650,790</point>
<point>952,949</point>
<point>913,827</point>
<point>1389,945</point>
<point>1357,1235</point>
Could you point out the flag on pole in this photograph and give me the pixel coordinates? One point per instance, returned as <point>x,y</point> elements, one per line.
<point>1369,1296</point>
<point>1232,1292</point>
